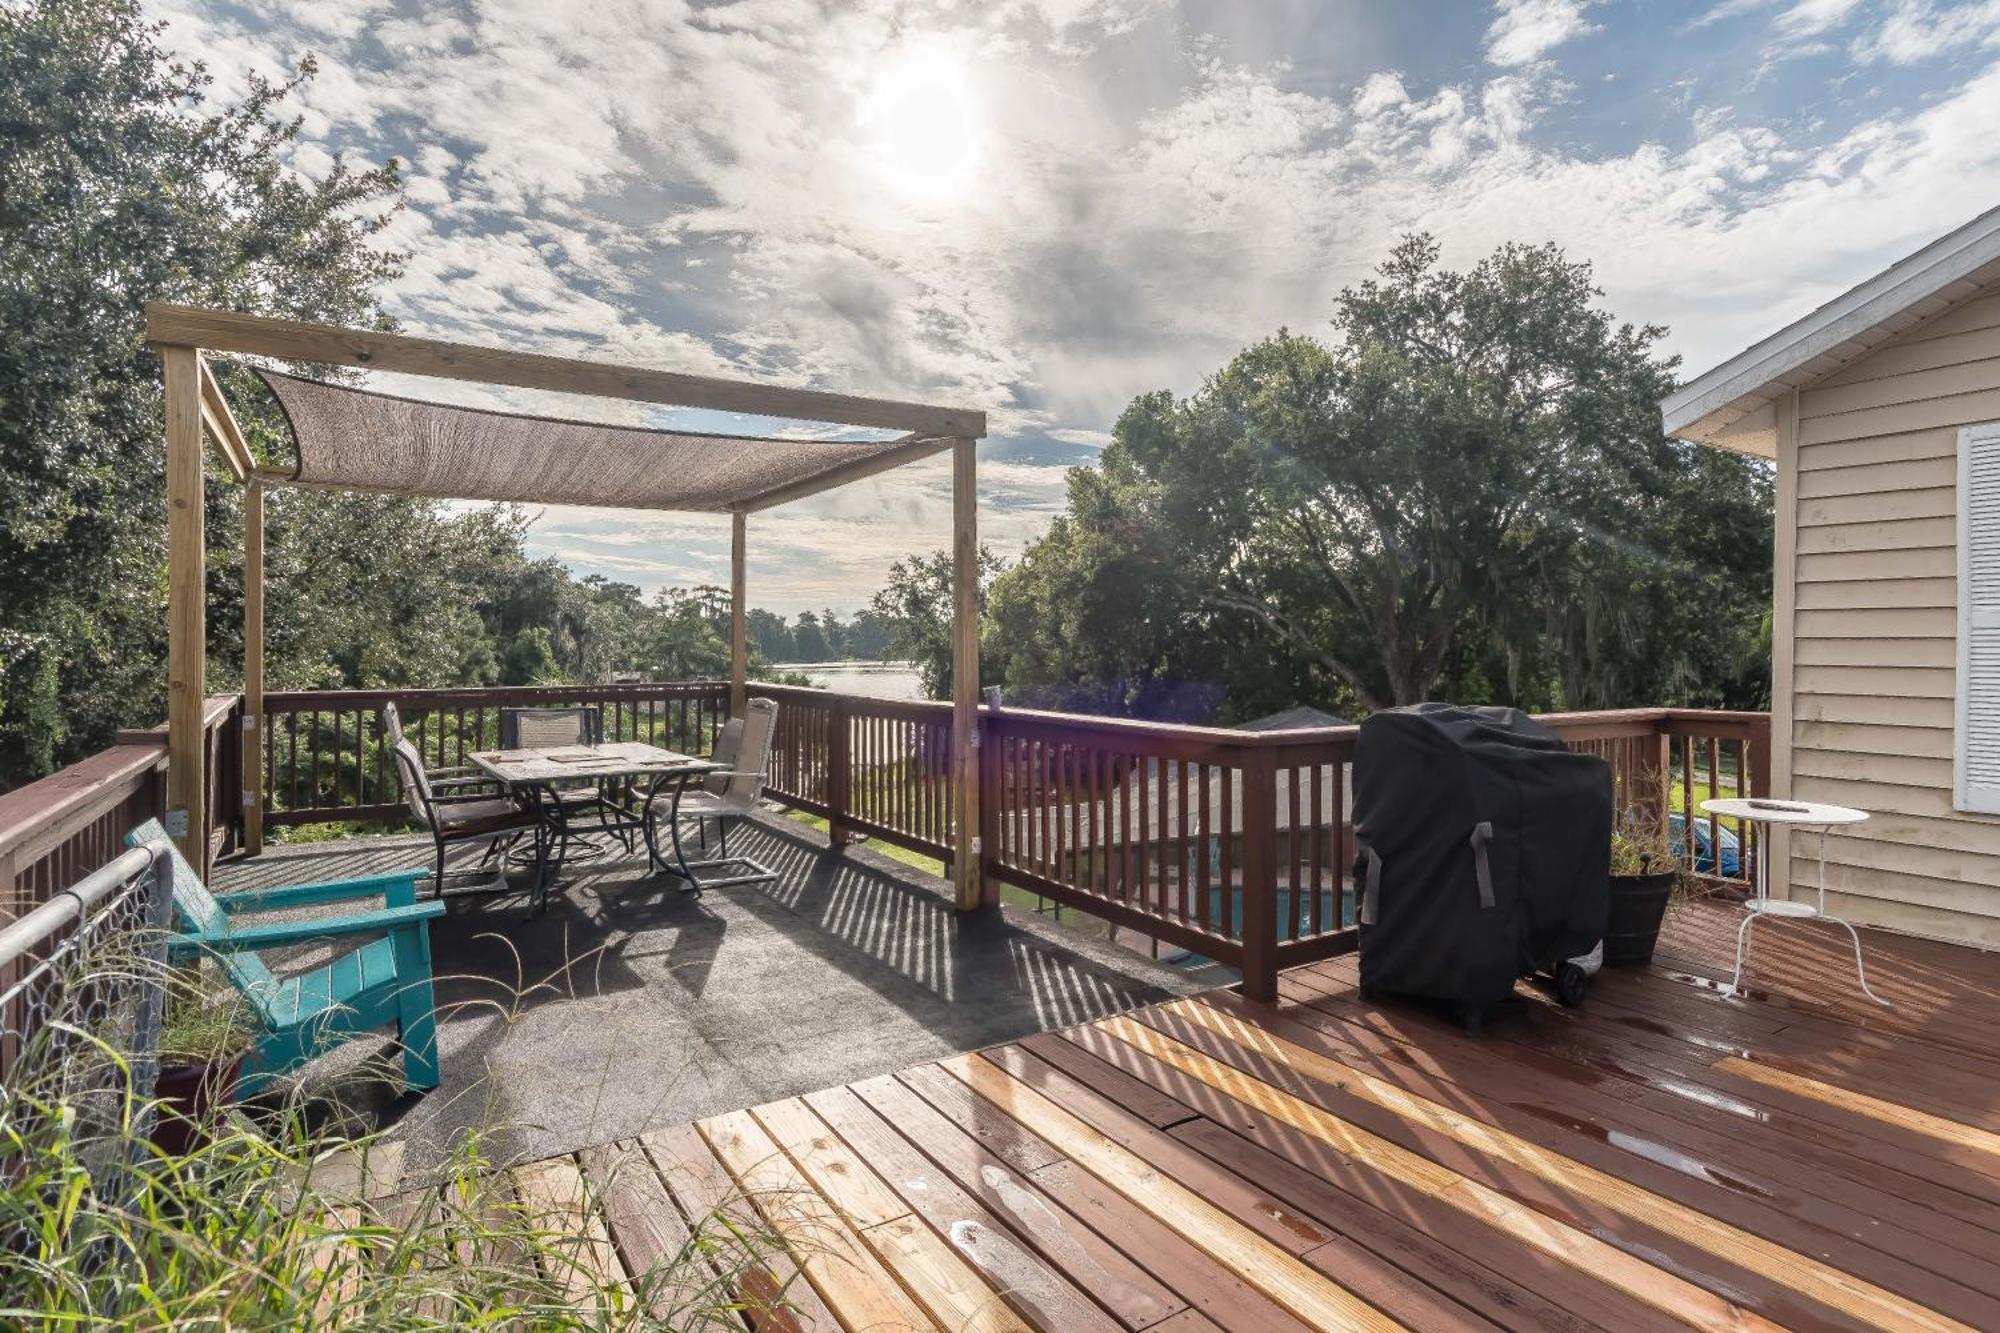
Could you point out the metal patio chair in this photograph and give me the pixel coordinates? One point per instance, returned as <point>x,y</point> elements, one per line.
<point>548,728</point>
<point>732,791</point>
<point>498,820</point>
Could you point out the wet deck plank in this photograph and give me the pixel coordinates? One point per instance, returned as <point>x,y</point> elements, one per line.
<point>1663,1157</point>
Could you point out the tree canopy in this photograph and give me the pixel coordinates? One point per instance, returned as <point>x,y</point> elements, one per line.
<point>122,182</point>
<point>1463,491</point>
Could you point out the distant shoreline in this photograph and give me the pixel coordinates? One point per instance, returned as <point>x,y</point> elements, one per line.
<point>862,676</point>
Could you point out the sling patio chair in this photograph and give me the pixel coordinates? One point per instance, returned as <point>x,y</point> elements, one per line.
<point>564,804</point>
<point>499,821</point>
<point>731,791</point>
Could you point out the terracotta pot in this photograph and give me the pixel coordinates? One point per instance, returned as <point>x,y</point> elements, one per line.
<point>188,1098</point>
<point>1638,906</point>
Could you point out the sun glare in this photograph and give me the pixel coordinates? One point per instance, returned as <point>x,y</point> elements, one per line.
<point>921,125</point>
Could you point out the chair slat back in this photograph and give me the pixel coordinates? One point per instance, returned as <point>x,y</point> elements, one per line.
<point>727,746</point>
<point>392,724</point>
<point>753,754</point>
<point>545,728</point>
<point>197,911</point>
<point>415,781</point>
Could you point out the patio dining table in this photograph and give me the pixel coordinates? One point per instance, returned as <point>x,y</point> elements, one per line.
<point>647,772</point>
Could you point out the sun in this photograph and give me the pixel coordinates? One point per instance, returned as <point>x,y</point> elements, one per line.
<point>921,125</point>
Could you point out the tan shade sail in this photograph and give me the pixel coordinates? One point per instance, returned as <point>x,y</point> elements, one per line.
<point>356,440</point>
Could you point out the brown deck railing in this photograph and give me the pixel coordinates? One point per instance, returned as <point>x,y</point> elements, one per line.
<point>877,767</point>
<point>1234,845</point>
<point>58,830</point>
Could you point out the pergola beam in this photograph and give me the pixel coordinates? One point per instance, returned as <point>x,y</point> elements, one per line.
<point>168,324</point>
<point>221,424</point>
<point>967,871</point>
<point>252,794</point>
<point>889,459</point>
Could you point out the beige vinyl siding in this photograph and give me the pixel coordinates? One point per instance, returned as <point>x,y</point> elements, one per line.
<point>1856,594</point>
<point>1875,623</point>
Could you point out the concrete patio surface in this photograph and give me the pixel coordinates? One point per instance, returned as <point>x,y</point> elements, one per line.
<point>631,1005</point>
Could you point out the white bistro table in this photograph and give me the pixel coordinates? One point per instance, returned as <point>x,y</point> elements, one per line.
<point>1796,814</point>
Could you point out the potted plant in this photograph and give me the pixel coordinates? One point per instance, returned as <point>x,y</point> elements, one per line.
<point>203,1043</point>
<point>1644,872</point>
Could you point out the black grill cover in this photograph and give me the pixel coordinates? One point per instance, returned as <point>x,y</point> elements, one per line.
<point>1431,782</point>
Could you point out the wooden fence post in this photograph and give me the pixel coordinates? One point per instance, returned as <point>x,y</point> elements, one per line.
<point>991,785</point>
<point>187,649</point>
<point>1260,875</point>
<point>739,613</point>
<point>251,795</point>
<point>839,771</point>
<point>1655,772</point>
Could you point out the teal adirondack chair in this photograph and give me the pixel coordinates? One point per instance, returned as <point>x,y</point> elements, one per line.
<point>387,980</point>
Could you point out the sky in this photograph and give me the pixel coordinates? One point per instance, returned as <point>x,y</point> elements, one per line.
<point>1042,208</point>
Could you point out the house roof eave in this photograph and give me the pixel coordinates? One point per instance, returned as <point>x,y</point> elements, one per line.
<point>1725,406</point>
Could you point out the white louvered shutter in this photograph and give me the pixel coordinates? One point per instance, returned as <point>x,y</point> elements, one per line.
<point>1976,751</point>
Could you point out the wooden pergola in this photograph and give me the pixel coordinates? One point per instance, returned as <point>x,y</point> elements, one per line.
<point>195,407</point>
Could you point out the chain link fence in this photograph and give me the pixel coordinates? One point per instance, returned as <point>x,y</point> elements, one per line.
<point>85,995</point>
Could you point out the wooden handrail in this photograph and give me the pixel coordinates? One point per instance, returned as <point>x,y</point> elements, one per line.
<point>295,700</point>
<point>37,816</point>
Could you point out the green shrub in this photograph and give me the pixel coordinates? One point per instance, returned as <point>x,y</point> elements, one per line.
<point>264,1224</point>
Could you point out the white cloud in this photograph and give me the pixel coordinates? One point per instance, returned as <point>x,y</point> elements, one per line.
<point>1729,9</point>
<point>1526,30</point>
<point>666,184</point>
<point>1918,30</point>
<point>1093,439</point>
<point>1810,18</point>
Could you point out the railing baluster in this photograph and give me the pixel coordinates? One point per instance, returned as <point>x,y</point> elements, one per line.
<point>1320,918</point>
<point>1226,808</point>
<point>1203,912</point>
<point>1163,893</point>
<point>1297,827</point>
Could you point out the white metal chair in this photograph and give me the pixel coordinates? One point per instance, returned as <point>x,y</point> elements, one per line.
<point>732,791</point>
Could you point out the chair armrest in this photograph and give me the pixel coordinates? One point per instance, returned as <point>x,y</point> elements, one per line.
<point>399,887</point>
<point>298,932</point>
<point>469,779</point>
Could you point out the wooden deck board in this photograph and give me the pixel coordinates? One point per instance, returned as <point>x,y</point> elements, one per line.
<point>1662,1157</point>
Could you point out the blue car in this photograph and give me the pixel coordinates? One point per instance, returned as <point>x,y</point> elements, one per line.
<point>1704,852</point>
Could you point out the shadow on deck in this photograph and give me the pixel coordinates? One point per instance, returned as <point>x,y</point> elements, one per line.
<point>631,1005</point>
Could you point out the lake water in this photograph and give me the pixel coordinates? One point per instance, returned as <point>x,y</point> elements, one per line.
<point>871,680</point>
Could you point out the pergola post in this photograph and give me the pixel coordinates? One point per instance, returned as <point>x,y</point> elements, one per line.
<point>739,612</point>
<point>253,667</point>
<point>187,649</point>
<point>967,863</point>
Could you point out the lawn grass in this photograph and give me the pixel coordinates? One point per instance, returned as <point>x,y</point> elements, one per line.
<point>1726,785</point>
